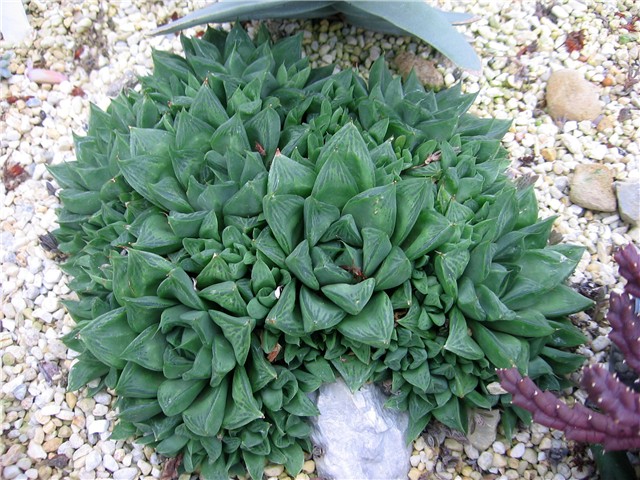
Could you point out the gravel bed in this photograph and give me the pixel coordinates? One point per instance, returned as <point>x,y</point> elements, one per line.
<point>101,46</point>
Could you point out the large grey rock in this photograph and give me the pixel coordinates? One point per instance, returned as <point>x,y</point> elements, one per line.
<point>628,194</point>
<point>483,426</point>
<point>571,97</point>
<point>356,437</point>
<point>592,187</point>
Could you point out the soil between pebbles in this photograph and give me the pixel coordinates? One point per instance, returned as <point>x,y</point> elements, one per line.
<point>48,433</point>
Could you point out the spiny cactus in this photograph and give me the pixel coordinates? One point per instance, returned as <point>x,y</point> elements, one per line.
<point>246,228</point>
<point>617,423</point>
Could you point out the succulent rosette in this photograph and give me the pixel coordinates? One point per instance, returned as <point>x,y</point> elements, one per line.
<point>246,228</point>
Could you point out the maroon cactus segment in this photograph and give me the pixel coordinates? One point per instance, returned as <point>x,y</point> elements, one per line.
<point>625,328</point>
<point>612,396</point>
<point>628,260</point>
<point>616,431</point>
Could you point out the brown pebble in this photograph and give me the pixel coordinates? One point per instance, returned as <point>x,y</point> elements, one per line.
<point>608,81</point>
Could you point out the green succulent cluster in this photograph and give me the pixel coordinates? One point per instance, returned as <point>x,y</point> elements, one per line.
<point>246,228</point>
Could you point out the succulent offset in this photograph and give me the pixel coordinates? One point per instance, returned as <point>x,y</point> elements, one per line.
<point>246,228</point>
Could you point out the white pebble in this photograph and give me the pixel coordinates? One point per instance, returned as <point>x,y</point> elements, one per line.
<point>499,448</point>
<point>98,426</point>
<point>485,460</point>
<point>36,452</point>
<point>517,451</point>
<point>125,474</point>
<point>93,460</point>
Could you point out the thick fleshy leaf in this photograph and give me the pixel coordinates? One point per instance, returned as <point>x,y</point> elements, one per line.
<point>285,315</point>
<point>204,416</point>
<point>502,350</point>
<point>284,214</point>
<point>300,265</point>
<point>222,359</point>
<point>318,313</point>
<point>237,330</point>
<point>394,271</point>
<point>175,396</point>
<point>180,286</point>
<point>147,349</point>
<point>288,177</point>
<point>351,298</point>
<point>244,408</point>
<point>430,231</point>
<point>138,382</point>
<point>353,371</point>
<point>318,217</point>
<point>375,248</point>
<point>459,341</point>
<point>227,295</point>
<point>374,208</point>
<point>412,195</point>
<point>108,336</point>
<point>373,325</point>
<point>449,267</point>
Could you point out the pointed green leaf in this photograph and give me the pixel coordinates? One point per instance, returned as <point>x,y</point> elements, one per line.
<point>394,271</point>
<point>284,214</point>
<point>373,325</point>
<point>227,295</point>
<point>299,263</point>
<point>375,248</point>
<point>374,208</point>
<point>204,416</point>
<point>180,286</point>
<point>244,408</point>
<point>108,336</point>
<point>351,298</point>
<point>459,341</point>
<point>353,371</point>
<point>175,396</point>
<point>285,315</point>
<point>318,217</point>
<point>138,382</point>
<point>318,313</point>
<point>237,330</point>
<point>147,349</point>
<point>430,231</point>
<point>286,176</point>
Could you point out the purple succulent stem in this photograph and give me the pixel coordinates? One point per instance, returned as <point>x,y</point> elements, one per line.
<point>628,260</point>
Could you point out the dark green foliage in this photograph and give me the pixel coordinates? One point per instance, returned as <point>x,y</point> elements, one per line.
<point>246,228</point>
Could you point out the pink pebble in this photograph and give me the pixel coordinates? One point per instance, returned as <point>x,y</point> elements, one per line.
<point>40,75</point>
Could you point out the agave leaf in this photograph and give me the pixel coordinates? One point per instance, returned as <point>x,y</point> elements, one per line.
<point>204,416</point>
<point>373,324</point>
<point>175,396</point>
<point>108,336</point>
<point>351,298</point>
<point>231,10</point>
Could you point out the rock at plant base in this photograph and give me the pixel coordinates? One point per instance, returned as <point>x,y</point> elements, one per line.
<point>426,71</point>
<point>628,194</point>
<point>356,437</point>
<point>483,426</point>
<point>592,187</point>
<point>571,97</point>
